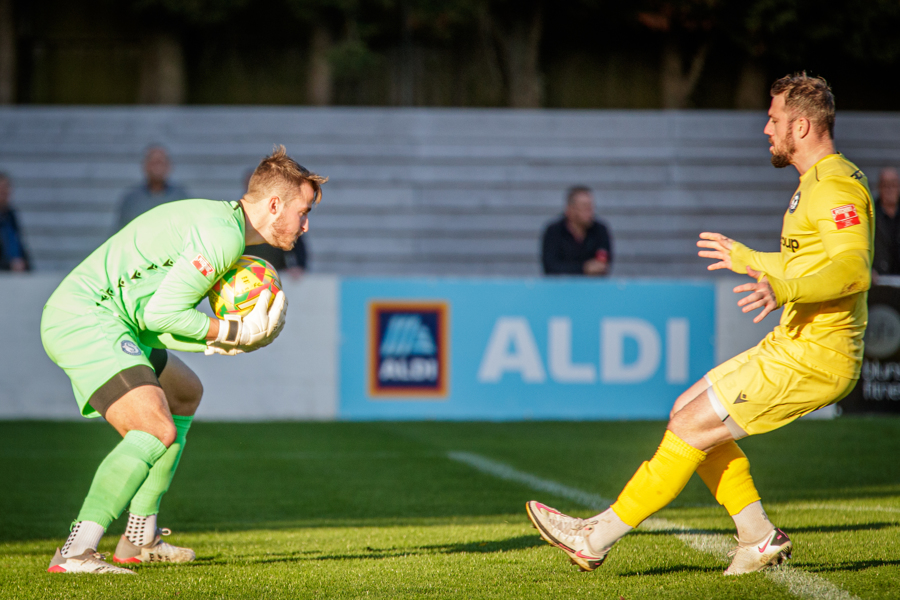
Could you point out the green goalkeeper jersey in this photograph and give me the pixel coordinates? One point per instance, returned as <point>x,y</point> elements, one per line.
<point>155,271</point>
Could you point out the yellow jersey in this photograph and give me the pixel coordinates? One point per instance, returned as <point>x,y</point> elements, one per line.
<point>823,272</point>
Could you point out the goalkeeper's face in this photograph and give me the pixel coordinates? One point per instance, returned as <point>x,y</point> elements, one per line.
<point>292,221</point>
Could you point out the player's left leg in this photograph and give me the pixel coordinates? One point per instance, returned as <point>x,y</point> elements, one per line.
<point>726,470</point>
<point>141,542</point>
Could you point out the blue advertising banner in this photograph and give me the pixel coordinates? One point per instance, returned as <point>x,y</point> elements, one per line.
<point>521,349</point>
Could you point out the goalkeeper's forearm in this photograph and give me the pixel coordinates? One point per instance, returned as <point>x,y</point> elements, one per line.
<point>213,332</point>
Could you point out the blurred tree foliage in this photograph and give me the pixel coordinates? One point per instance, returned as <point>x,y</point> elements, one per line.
<point>520,53</point>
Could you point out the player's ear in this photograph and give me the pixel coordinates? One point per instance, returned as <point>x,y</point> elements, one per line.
<point>273,203</point>
<point>802,127</point>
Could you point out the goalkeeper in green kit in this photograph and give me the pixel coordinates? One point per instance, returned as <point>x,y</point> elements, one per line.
<point>111,320</point>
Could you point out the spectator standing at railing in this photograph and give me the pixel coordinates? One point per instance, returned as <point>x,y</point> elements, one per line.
<point>887,224</point>
<point>12,249</point>
<point>577,244</point>
<point>156,189</point>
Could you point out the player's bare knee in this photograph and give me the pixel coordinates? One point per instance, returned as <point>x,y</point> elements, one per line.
<point>186,399</point>
<point>165,433</point>
<point>195,391</point>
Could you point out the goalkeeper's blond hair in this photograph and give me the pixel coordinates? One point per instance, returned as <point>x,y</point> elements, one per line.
<point>277,171</point>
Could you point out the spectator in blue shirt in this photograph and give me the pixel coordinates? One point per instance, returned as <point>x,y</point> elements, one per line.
<point>12,249</point>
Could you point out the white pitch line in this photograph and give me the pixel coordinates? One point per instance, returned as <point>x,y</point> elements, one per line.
<point>838,507</point>
<point>799,583</point>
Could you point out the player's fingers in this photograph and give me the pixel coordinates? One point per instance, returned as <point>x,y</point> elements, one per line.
<point>762,315</point>
<point>278,305</point>
<point>711,254</point>
<point>262,304</point>
<point>750,307</point>
<point>747,300</point>
<point>277,314</point>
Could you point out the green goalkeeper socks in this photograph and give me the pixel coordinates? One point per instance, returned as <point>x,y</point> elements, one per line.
<point>119,476</point>
<point>146,501</point>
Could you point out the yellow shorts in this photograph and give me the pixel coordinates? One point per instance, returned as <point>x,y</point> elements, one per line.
<point>769,385</point>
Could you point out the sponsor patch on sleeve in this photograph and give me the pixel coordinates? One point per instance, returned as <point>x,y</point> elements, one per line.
<point>206,269</point>
<point>845,216</point>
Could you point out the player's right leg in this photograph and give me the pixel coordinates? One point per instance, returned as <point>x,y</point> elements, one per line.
<point>142,541</point>
<point>726,470</point>
<point>111,376</point>
<point>756,392</point>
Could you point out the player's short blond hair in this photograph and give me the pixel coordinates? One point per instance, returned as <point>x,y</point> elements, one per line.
<point>808,97</point>
<point>278,170</point>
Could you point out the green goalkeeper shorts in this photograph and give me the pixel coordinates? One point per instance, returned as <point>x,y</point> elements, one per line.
<point>101,354</point>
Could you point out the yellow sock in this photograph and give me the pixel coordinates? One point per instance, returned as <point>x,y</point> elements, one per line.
<point>659,480</point>
<point>726,472</point>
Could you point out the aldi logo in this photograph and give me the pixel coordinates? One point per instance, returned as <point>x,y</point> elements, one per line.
<point>408,349</point>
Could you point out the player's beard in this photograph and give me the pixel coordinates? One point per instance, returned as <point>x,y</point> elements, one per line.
<point>283,239</point>
<point>784,156</point>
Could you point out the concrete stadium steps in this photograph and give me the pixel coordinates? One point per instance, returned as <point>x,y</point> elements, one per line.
<point>430,191</point>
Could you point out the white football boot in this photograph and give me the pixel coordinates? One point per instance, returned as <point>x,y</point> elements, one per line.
<point>773,550</point>
<point>569,534</point>
<point>155,551</point>
<point>90,561</point>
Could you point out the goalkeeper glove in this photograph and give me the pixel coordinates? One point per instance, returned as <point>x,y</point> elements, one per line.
<point>258,329</point>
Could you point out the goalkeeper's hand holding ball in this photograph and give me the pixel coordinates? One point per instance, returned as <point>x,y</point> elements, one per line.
<point>258,329</point>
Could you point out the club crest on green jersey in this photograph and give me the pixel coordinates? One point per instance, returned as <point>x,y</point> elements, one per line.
<point>129,347</point>
<point>794,202</point>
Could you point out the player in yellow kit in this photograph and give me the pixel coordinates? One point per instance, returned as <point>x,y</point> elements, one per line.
<point>810,360</point>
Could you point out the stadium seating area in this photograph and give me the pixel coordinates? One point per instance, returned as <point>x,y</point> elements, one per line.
<point>430,191</point>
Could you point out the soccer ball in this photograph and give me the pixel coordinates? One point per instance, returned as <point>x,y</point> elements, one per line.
<point>239,288</point>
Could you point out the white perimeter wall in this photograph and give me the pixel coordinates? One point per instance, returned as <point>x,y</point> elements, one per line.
<point>296,378</point>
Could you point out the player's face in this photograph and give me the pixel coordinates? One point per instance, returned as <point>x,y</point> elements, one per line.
<point>293,219</point>
<point>781,135</point>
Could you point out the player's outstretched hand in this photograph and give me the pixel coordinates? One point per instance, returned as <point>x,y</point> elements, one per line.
<point>719,248</point>
<point>761,295</point>
<point>259,328</point>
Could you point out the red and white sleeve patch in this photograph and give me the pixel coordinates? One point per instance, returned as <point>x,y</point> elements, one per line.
<point>845,216</point>
<point>205,268</point>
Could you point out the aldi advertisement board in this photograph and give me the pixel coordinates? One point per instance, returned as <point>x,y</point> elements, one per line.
<point>514,349</point>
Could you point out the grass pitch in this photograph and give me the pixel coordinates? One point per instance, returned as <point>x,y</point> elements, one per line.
<point>380,510</point>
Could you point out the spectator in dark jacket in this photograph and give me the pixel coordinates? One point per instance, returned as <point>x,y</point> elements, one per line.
<point>577,244</point>
<point>12,249</point>
<point>887,224</point>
